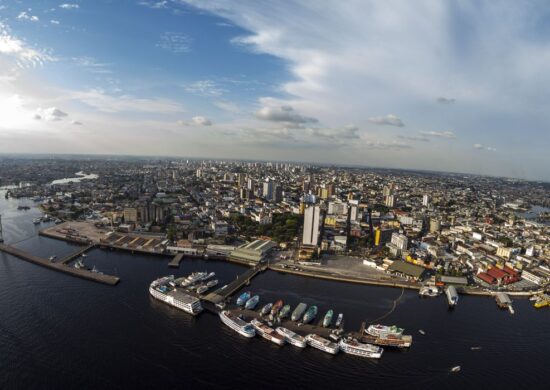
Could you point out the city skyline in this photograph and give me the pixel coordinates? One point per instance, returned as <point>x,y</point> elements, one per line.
<point>456,87</point>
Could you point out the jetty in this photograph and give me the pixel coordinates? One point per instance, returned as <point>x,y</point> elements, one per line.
<point>59,266</point>
<point>175,263</point>
<point>72,256</point>
<point>242,280</point>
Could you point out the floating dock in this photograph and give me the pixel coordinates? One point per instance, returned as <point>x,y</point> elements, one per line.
<point>175,263</point>
<point>66,260</point>
<point>80,273</point>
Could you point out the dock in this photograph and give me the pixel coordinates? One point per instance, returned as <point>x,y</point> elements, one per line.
<point>67,259</point>
<point>175,263</point>
<point>223,293</point>
<point>58,266</point>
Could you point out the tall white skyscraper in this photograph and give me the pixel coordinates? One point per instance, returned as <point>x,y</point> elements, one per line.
<point>425,200</point>
<point>312,218</point>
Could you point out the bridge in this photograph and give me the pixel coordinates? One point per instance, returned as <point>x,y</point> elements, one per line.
<point>58,266</point>
<point>223,293</point>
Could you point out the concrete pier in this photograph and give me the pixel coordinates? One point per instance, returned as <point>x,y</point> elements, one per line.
<point>72,256</point>
<point>80,273</point>
<point>222,293</point>
<point>175,263</point>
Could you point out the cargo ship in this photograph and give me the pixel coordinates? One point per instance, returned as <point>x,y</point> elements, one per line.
<point>384,331</point>
<point>285,311</point>
<point>252,302</point>
<point>311,313</point>
<point>297,313</point>
<point>163,289</point>
<point>237,324</point>
<point>452,296</point>
<point>321,343</point>
<point>327,320</point>
<point>268,333</point>
<point>241,300</point>
<point>403,341</point>
<point>266,309</point>
<point>276,307</point>
<point>354,347</point>
<point>291,337</point>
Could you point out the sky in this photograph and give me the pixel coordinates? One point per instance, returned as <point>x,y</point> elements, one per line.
<point>461,86</point>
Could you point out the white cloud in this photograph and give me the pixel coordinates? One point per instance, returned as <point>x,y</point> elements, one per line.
<point>50,114</point>
<point>18,49</point>
<point>390,120</point>
<point>77,123</point>
<point>349,132</point>
<point>206,88</point>
<point>25,16</point>
<point>92,65</point>
<point>175,42</point>
<point>487,148</point>
<point>56,22</point>
<point>125,103</point>
<point>439,134</point>
<point>196,121</point>
<point>414,138</point>
<point>69,6</point>
<point>283,114</point>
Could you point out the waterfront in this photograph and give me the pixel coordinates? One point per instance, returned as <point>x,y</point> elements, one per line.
<point>63,332</point>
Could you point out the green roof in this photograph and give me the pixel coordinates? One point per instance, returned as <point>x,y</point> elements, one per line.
<point>406,268</point>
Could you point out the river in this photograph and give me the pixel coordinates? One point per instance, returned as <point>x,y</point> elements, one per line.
<point>61,332</point>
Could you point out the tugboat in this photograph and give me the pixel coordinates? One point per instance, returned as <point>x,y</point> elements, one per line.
<point>311,313</point>
<point>243,298</point>
<point>328,319</point>
<point>252,302</point>
<point>276,307</point>
<point>339,320</point>
<point>266,309</point>
<point>285,311</point>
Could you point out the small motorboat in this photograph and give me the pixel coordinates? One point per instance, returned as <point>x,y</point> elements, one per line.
<point>456,369</point>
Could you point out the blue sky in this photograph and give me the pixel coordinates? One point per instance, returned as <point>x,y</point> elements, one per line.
<point>457,86</point>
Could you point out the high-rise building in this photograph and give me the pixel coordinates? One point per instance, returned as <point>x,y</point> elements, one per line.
<point>268,189</point>
<point>425,200</point>
<point>312,218</point>
<point>250,185</point>
<point>390,200</point>
<point>400,241</point>
<point>130,214</point>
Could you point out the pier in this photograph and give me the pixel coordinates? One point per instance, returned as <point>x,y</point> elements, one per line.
<point>80,273</point>
<point>175,263</point>
<point>223,293</point>
<point>66,260</point>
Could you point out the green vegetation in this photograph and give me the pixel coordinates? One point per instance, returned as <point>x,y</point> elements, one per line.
<point>283,228</point>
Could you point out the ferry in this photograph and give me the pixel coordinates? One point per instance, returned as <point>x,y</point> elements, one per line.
<point>268,333</point>
<point>452,296</point>
<point>327,320</point>
<point>285,311</point>
<point>252,302</point>
<point>276,307</point>
<point>427,291</point>
<point>353,347</point>
<point>291,337</point>
<point>241,300</point>
<point>384,331</point>
<point>311,313</point>
<point>266,309</point>
<point>163,291</point>
<point>297,313</point>
<point>339,320</point>
<point>237,324</point>
<point>321,343</point>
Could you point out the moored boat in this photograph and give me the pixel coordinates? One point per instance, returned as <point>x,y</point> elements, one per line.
<point>285,311</point>
<point>164,291</point>
<point>252,302</point>
<point>327,320</point>
<point>354,347</point>
<point>291,337</point>
<point>202,289</point>
<point>266,309</point>
<point>241,300</point>
<point>237,324</point>
<point>212,283</point>
<point>452,296</point>
<point>428,291</point>
<point>339,320</point>
<point>268,333</point>
<point>297,313</point>
<point>276,307</point>
<point>311,313</point>
<point>384,331</point>
<point>316,341</point>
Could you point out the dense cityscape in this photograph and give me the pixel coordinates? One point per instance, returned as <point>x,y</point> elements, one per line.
<point>391,227</point>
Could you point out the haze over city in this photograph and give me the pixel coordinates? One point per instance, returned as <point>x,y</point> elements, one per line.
<point>455,86</point>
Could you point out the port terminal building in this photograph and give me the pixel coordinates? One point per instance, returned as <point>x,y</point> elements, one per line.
<point>253,252</point>
<point>407,270</point>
